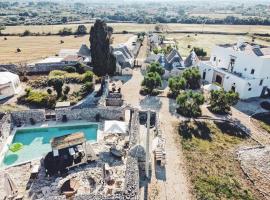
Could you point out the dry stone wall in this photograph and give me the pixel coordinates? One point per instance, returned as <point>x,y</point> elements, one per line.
<point>24,117</point>
<point>108,113</point>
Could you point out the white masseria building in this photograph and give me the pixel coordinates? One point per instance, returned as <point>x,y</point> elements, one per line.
<point>241,67</point>
<point>9,84</point>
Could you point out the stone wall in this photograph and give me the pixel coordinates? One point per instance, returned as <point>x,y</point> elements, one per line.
<point>109,113</point>
<point>23,117</point>
<point>45,68</point>
<point>5,126</point>
<point>114,102</point>
<point>9,67</point>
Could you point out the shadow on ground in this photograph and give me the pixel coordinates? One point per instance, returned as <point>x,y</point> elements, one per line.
<point>197,129</point>
<point>151,102</point>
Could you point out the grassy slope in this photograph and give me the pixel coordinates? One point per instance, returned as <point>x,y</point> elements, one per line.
<point>209,150</point>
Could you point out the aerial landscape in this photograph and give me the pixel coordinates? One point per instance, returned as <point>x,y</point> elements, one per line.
<point>134,100</point>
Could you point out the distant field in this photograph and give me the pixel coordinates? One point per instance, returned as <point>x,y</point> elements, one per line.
<point>207,41</point>
<point>37,47</point>
<point>144,27</point>
<point>217,15</point>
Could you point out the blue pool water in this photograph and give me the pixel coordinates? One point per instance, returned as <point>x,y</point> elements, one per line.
<point>36,141</point>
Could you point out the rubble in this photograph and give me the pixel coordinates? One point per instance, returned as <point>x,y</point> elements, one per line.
<point>255,164</point>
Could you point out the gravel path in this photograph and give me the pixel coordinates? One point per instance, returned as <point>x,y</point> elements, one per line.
<point>176,184</point>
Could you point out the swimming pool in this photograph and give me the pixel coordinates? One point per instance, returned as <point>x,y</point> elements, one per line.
<point>36,141</point>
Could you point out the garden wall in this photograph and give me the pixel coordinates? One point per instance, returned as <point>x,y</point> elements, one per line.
<point>23,117</point>
<point>5,126</point>
<point>91,113</point>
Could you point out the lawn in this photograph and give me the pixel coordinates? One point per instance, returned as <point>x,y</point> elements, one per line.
<point>37,47</point>
<point>133,27</point>
<point>207,41</point>
<point>214,171</point>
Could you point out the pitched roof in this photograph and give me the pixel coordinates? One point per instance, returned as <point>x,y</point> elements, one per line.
<point>191,60</point>
<point>174,54</point>
<point>84,51</point>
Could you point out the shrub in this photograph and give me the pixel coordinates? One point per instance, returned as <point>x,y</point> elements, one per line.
<point>87,88</point>
<point>66,90</point>
<point>57,73</point>
<point>40,82</point>
<point>79,68</point>
<point>65,31</point>
<point>88,76</point>
<point>72,77</point>
<point>200,51</point>
<point>26,33</point>
<point>81,30</point>
<point>57,85</point>
<point>49,91</point>
<point>70,69</point>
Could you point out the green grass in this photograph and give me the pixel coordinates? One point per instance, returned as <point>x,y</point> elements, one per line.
<point>213,169</point>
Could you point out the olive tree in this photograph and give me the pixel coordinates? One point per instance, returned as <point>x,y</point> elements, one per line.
<point>221,101</point>
<point>193,77</point>
<point>176,84</point>
<point>151,81</point>
<point>189,103</point>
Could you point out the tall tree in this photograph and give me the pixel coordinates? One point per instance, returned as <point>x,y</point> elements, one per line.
<point>103,60</point>
<point>81,30</point>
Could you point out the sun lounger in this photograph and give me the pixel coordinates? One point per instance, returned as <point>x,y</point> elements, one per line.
<point>71,151</point>
<point>55,153</point>
<point>80,148</point>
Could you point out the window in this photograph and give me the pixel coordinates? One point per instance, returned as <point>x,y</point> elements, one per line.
<point>249,89</point>
<point>215,58</point>
<point>261,82</point>
<point>252,71</point>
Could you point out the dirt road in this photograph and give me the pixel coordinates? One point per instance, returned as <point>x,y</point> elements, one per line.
<point>174,185</point>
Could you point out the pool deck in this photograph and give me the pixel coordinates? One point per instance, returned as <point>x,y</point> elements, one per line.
<point>46,124</point>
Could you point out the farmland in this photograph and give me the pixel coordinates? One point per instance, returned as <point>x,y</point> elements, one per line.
<point>207,41</point>
<point>37,47</point>
<point>134,27</point>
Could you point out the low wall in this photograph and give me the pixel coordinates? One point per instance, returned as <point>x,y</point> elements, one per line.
<point>90,113</point>
<point>36,69</point>
<point>5,126</point>
<point>23,117</point>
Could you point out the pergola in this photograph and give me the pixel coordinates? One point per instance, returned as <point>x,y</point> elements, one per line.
<point>67,141</point>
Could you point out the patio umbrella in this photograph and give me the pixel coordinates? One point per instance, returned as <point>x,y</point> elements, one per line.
<point>10,187</point>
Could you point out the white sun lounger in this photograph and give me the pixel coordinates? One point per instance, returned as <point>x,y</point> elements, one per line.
<point>55,153</point>
<point>71,151</point>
